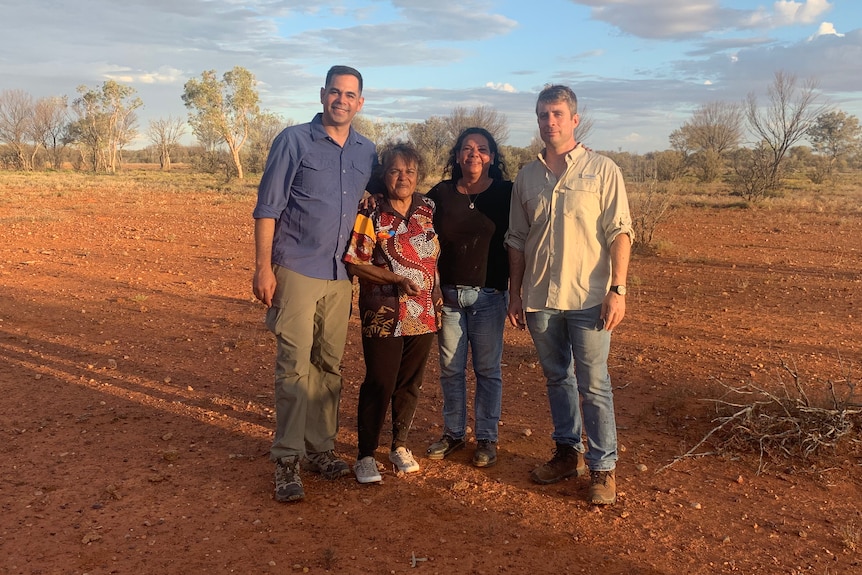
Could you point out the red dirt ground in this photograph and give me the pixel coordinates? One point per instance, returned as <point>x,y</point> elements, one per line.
<point>136,379</point>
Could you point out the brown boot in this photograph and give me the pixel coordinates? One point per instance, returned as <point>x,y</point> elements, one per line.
<point>567,461</point>
<point>603,487</point>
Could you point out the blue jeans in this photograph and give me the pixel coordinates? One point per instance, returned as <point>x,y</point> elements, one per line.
<point>573,350</point>
<point>476,317</point>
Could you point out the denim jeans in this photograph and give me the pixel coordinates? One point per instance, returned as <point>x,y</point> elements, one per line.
<point>573,350</point>
<point>476,317</point>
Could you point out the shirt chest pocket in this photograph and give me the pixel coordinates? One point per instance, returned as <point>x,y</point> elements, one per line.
<point>536,204</point>
<point>582,199</point>
<point>316,173</point>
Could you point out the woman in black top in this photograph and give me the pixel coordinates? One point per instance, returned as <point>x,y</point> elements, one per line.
<point>471,220</point>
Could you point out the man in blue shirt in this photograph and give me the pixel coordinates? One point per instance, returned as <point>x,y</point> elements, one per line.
<point>315,176</point>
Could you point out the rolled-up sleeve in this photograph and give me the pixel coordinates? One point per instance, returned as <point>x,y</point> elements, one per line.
<point>519,226</point>
<point>616,217</point>
<point>274,190</point>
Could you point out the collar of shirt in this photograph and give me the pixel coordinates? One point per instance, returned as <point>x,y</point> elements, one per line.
<point>319,132</point>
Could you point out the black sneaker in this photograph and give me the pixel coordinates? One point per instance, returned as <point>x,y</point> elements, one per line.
<point>288,485</point>
<point>567,461</point>
<point>485,454</point>
<point>326,464</point>
<point>442,448</point>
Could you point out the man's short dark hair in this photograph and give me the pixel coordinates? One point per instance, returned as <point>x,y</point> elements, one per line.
<point>553,93</point>
<point>344,71</point>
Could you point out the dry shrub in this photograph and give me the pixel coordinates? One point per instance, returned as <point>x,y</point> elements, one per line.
<point>789,420</point>
<point>650,204</point>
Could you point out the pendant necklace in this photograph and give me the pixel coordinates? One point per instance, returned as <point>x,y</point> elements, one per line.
<point>470,197</point>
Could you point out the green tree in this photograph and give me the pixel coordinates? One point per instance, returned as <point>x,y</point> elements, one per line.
<point>264,128</point>
<point>106,123</point>
<point>704,141</point>
<point>226,107</point>
<point>835,135</point>
<point>433,141</point>
<point>379,131</point>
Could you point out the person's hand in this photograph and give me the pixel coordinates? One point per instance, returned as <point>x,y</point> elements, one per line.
<point>613,310</point>
<point>516,311</point>
<point>408,286</point>
<point>263,285</point>
<point>370,201</point>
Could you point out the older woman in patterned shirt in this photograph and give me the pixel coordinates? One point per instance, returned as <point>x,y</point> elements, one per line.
<point>393,251</point>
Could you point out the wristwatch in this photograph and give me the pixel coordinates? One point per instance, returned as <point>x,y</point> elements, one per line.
<point>619,290</point>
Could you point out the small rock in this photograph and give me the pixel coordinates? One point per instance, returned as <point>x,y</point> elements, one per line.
<point>112,363</point>
<point>528,432</point>
<point>641,467</point>
<point>696,505</point>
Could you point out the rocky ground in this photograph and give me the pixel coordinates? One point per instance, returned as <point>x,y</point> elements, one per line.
<point>136,407</point>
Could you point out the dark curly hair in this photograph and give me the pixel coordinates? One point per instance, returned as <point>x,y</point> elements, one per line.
<point>497,170</point>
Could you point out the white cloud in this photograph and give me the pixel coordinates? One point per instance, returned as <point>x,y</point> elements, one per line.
<point>788,12</point>
<point>502,87</point>
<point>825,29</point>
<point>679,19</point>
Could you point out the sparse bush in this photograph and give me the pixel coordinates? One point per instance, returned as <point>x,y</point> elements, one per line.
<point>793,419</point>
<point>650,203</point>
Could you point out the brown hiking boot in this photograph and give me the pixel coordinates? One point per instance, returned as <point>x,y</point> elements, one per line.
<point>603,487</point>
<point>567,461</point>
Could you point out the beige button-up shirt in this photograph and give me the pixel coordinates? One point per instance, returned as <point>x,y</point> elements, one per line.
<point>565,228</point>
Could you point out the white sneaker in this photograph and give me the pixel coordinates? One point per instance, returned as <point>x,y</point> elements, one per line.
<point>403,460</point>
<point>366,470</point>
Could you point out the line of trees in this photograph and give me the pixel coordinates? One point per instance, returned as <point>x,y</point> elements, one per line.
<point>711,141</point>
<point>749,145</point>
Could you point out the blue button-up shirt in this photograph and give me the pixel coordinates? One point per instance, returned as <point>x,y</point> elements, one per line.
<point>312,186</point>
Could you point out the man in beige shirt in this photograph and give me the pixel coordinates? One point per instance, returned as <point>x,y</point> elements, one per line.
<point>569,242</point>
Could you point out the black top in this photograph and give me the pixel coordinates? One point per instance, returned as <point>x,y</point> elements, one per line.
<point>471,240</point>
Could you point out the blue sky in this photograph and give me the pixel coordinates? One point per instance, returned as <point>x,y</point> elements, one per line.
<point>639,67</point>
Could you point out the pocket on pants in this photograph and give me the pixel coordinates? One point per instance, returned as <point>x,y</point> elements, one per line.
<point>271,319</point>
